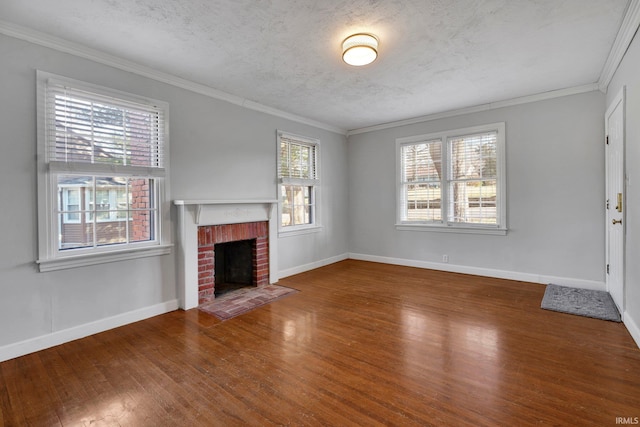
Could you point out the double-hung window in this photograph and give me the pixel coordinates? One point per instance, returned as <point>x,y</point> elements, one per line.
<point>453,180</point>
<point>101,171</point>
<point>298,181</point>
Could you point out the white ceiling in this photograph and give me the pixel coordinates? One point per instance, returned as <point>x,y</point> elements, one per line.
<point>434,55</point>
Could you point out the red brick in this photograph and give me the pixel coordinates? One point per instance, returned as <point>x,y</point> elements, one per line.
<point>203,281</point>
<point>205,287</point>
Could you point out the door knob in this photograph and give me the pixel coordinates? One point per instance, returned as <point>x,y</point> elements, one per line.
<point>616,221</point>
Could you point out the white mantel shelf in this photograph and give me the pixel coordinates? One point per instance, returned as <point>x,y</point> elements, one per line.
<point>203,212</point>
<point>221,202</point>
<point>200,203</point>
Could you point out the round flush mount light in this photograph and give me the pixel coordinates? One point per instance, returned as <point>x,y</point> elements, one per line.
<point>360,49</point>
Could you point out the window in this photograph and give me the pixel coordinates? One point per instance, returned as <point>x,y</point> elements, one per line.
<point>453,180</point>
<point>101,173</point>
<point>298,180</point>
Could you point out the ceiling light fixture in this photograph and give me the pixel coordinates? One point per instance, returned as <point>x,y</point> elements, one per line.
<point>360,49</point>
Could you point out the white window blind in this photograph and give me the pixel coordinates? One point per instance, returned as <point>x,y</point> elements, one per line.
<point>85,128</point>
<point>297,160</point>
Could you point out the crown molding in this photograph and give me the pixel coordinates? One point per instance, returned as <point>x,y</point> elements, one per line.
<point>630,24</point>
<point>484,107</point>
<point>627,31</point>
<point>76,49</point>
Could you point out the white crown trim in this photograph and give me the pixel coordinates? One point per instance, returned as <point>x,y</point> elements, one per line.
<point>66,46</point>
<point>629,26</point>
<point>627,31</point>
<point>484,107</point>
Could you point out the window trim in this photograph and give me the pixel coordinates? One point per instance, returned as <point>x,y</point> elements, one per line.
<point>315,226</point>
<point>50,258</point>
<point>444,225</point>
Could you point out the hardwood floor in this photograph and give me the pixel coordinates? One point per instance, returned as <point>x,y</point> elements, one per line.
<point>361,344</point>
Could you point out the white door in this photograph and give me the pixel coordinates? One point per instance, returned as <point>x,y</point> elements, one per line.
<point>616,201</point>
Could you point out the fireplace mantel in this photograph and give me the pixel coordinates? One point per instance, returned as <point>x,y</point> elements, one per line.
<point>201,212</point>
<point>233,209</point>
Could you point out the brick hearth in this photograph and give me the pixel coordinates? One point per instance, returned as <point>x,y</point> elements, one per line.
<point>210,235</point>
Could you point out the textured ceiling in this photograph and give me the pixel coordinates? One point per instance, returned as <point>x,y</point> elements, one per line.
<point>434,55</point>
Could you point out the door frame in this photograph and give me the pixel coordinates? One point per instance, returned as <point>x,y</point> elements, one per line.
<point>619,99</point>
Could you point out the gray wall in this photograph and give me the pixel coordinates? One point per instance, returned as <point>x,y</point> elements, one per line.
<point>555,193</point>
<point>628,74</point>
<point>218,151</point>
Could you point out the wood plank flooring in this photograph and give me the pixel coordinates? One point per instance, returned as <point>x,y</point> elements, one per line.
<point>362,344</point>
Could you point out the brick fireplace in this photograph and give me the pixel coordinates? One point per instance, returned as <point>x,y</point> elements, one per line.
<point>210,237</point>
<point>204,223</point>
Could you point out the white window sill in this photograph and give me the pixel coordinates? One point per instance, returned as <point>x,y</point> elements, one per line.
<point>451,229</point>
<point>83,260</point>
<point>299,231</point>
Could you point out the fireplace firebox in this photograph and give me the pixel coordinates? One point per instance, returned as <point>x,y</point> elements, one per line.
<point>233,266</point>
<point>232,256</point>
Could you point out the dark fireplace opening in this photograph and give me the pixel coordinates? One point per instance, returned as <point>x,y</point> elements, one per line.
<point>233,265</point>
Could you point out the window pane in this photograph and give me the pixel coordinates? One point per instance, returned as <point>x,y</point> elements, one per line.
<point>474,156</point>
<point>143,207</point>
<point>102,204</point>
<point>142,226</point>
<point>474,202</point>
<point>299,216</point>
<point>306,191</point>
<point>422,162</point>
<point>123,200</point>
<point>72,232</point>
<point>119,209</point>
<point>287,197</point>
<point>110,232</point>
<point>74,235</point>
<point>423,202</point>
<point>296,205</point>
<point>72,204</point>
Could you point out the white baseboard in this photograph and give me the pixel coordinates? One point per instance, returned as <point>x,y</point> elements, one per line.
<point>488,272</point>
<point>306,267</point>
<point>632,327</point>
<point>60,337</point>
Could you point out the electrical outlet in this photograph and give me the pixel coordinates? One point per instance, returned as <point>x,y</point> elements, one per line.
<point>445,258</point>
